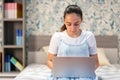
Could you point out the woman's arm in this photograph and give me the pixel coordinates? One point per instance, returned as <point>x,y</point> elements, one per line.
<point>50,59</point>
<point>97,62</point>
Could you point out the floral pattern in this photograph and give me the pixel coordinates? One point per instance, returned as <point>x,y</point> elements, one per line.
<point>102,17</point>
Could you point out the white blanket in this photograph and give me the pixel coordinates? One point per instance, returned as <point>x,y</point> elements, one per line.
<point>42,72</point>
<point>109,72</point>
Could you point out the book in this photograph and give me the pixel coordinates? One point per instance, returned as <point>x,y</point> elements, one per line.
<point>16,63</point>
<point>18,37</point>
<point>13,10</point>
<point>7,63</point>
<point>17,10</point>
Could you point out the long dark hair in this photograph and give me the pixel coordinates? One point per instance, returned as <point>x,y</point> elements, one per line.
<point>71,9</point>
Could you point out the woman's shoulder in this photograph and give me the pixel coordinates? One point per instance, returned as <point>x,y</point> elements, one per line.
<point>58,34</point>
<point>87,34</point>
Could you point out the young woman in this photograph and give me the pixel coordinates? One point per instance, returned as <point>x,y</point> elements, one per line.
<point>72,41</point>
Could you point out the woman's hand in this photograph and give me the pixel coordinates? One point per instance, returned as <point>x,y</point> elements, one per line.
<point>50,59</point>
<point>97,62</point>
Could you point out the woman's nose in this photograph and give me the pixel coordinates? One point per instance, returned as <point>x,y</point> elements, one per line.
<point>72,28</point>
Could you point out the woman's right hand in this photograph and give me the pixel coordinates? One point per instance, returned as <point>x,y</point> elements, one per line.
<point>50,59</point>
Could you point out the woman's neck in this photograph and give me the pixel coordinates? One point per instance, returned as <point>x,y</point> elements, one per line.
<point>74,35</point>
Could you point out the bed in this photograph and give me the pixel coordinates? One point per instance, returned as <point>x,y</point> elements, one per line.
<point>36,69</point>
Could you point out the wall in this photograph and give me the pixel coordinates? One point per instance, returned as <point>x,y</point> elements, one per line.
<point>102,17</point>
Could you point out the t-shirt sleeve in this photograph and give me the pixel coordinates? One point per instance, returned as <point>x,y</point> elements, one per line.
<point>53,46</point>
<point>92,44</point>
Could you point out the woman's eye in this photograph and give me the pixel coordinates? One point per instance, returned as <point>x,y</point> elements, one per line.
<point>76,24</point>
<point>68,24</point>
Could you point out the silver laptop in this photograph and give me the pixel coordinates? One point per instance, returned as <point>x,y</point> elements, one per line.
<point>74,67</point>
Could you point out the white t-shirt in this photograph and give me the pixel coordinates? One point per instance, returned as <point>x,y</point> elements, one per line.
<point>85,36</point>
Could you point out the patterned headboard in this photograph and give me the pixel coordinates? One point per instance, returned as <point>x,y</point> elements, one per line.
<point>36,42</point>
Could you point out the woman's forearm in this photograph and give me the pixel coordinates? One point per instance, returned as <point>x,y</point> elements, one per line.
<point>97,62</point>
<point>49,63</point>
<point>50,59</point>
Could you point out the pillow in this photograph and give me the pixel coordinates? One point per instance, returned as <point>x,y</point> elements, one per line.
<point>37,57</point>
<point>112,54</point>
<point>103,61</point>
<point>45,49</point>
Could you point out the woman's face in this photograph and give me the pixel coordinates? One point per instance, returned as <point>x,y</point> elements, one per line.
<point>72,22</point>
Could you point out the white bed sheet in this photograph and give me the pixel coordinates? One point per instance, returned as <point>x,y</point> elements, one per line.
<point>42,72</point>
<point>109,72</point>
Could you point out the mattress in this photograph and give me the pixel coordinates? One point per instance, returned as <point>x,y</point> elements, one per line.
<point>42,72</point>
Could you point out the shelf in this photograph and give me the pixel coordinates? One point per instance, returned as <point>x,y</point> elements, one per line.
<point>8,74</point>
<point>12,46</point>
<point>12,19</point>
